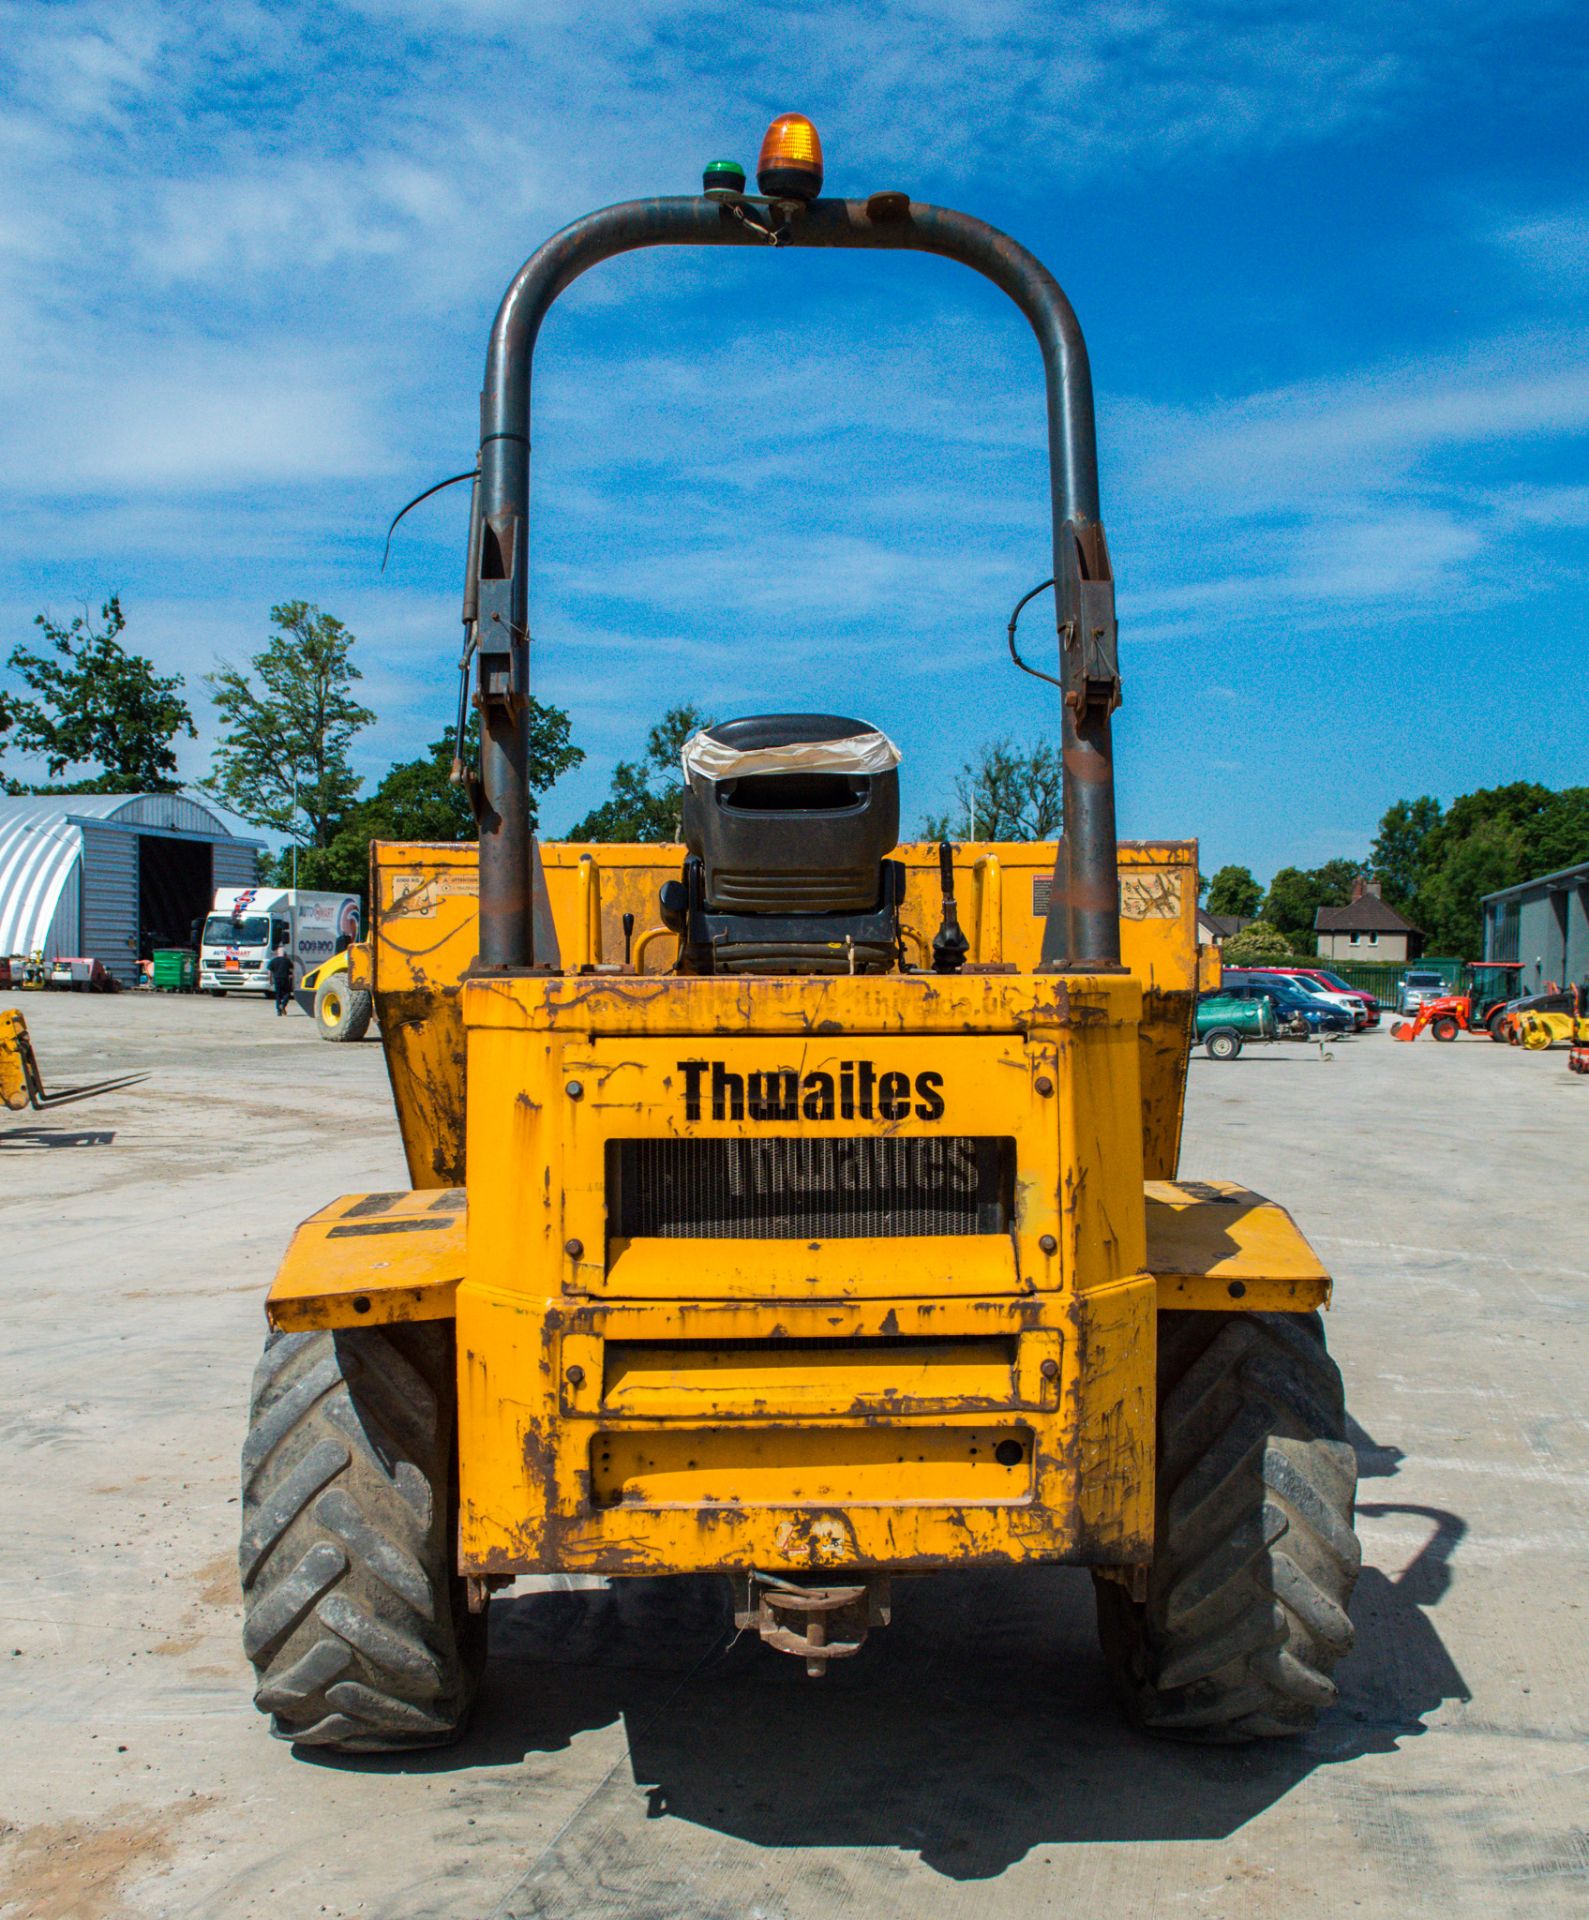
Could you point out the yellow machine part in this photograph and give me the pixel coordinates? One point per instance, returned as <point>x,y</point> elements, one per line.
<point>633,1405</point>
<point>425,913</point>
<point>21,1083</point>
<point>644,1388</point>
<point>326,970</point>
<point>1210,1245</point>
<point>1538,1031</point>
<point>15,1059</point>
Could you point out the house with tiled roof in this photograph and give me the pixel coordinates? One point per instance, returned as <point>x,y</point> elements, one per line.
<point>1366,928</point>
<point>1214,929</point>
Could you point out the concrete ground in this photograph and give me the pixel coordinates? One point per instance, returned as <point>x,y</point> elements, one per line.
<point>971,1763</point>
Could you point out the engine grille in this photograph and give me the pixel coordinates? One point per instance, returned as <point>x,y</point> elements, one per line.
<point>823,1189</point>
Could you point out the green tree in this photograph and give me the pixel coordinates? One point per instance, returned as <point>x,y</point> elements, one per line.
<point>1006,793</point>
<point>97,705</point>
<point>1256,945</point>
<point>647,795</point>
<point>1296,894</point>
<point>1493,855</point>
<point>1560,836</point>
<point>1401,847</point>
<point>283,760</point>
<point>1235,891</point>
<point>417,800</point>
<point>1489,839</point>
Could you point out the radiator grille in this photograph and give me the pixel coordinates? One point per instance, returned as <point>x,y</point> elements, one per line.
<point>789,1189</point>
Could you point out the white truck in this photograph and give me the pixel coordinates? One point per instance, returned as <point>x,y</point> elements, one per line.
<point>247,924</point>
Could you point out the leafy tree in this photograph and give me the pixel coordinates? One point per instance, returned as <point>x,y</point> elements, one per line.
<point>1492,856</point>
<point>1438,865</point>
<point>1400,849</point>
<point>283,761</point>
<point>417,800</point>
<point>1006,793</point>
<point>97,705</point>
<point>1256,945</point>
<point>1560,836</point>
<point>1295,895</point>
<point>647,795</point>
<point>1235,891</point>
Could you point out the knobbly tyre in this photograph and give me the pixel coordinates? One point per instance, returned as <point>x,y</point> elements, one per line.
<point>794,1206</point>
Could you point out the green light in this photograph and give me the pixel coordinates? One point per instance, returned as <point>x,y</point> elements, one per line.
<point>723,176</point>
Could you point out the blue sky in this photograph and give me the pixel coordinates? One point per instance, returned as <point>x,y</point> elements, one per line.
<point>1332,261</point>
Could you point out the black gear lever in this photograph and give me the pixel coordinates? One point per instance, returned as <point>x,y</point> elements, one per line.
<point>949,944</point>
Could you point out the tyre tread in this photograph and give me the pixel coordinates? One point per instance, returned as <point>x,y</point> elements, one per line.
<point>353,1616</point>
<point>1256,1558</point>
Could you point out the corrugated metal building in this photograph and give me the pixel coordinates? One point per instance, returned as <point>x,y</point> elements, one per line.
<point>112,875</point>
<point>1545,924</point>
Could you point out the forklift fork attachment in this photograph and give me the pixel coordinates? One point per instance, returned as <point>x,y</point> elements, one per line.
<point>21,1083</point>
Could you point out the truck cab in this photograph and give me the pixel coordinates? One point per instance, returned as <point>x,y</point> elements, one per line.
<point>246,925</point>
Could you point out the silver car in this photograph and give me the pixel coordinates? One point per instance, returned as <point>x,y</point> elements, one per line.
<point>1419,988</point>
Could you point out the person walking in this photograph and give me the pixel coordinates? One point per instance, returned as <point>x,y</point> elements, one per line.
<point>280,969</point>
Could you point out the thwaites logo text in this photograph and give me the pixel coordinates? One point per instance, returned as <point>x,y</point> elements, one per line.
<point>854,1091</point>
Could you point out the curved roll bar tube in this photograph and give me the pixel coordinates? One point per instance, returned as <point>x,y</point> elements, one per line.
<point>1083,930</point>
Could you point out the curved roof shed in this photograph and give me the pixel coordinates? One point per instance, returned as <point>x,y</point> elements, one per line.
<point>112,875</point>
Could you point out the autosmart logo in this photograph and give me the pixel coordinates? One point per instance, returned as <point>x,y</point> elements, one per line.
<point>856,1091</point>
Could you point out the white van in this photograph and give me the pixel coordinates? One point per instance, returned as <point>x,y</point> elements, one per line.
<point>247,924</point>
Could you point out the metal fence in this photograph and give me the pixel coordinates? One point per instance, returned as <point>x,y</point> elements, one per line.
<point>1382,978</point>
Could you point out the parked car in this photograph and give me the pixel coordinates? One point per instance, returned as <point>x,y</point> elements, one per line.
<point>1302,1015</point>
<point>1230,1017</point>
<point>1337,985</point>
<point>1419,985</point>
<point>1309,982</point>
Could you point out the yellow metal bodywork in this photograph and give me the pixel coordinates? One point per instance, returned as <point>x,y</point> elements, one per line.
<point>1211,1245</point>
<point>326,970</point>
<point>567,1463</point>
<point>424,941</point>
<point>15,1059</point>
<point>1539,1031</point>
<point>631,1405</point>
<point>1214,1246</point>
<point>370,1258</point>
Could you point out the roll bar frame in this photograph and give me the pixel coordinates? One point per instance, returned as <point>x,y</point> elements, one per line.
<point>1082,932</point>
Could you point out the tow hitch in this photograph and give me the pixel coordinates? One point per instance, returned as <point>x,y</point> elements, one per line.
<point>818,1624</point>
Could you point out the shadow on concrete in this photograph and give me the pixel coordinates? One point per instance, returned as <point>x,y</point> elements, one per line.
<point>1291,1053</point>
<point>1400,1668</point>
<point>978,1726</point>
<point>31,1139</point>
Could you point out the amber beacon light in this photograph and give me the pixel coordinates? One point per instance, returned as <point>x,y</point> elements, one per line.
<point>790,167</point>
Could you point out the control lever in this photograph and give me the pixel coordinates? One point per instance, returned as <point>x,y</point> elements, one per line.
<point>949,944</point>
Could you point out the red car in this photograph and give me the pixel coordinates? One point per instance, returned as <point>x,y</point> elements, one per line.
<point>1333,983</point>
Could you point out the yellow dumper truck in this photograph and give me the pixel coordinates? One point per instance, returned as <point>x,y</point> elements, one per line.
<point>791,1204</point>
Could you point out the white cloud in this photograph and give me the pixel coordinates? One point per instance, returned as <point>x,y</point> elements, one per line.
<point>1375,487</point>
<point>1552,248</point>
<point>162,416</point>
<point>248,253</point>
